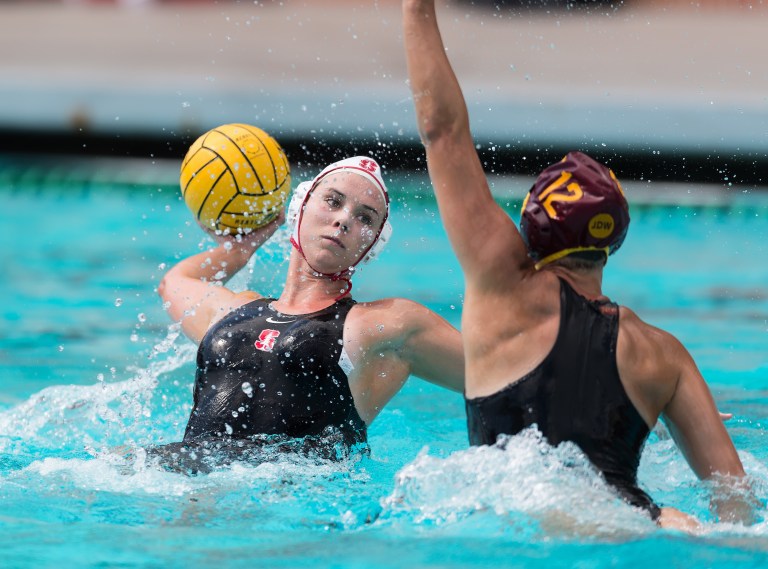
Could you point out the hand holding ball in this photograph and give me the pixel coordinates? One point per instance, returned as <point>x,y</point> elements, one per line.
<point>235,177</point>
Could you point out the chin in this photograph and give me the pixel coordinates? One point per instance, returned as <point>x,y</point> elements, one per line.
<point>328,264</point>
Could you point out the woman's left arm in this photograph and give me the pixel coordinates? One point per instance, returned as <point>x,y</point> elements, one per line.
<point>697,427</point>
<point>432,347</point>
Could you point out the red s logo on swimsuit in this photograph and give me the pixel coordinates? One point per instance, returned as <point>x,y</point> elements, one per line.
<point>266,340</point>
<point>368,165</point>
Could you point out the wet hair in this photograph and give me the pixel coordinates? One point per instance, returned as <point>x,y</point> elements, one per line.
<point>583,260</point>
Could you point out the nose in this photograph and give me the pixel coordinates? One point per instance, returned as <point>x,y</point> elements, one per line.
<point>342,221</point>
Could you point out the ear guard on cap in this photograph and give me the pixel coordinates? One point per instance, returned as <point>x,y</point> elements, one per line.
<point>368,171</point>
<point>379,244</point>
<point>294,208</point>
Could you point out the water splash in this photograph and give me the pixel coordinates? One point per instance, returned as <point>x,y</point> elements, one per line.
<point>527,490</point>
<point>70,418</point>
<point>289,492</point>
<point>522,486</point>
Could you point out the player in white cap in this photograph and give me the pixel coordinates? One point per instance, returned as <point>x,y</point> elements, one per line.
<point>311,365</point>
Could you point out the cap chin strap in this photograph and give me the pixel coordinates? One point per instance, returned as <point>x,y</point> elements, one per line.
<point>565,252</point>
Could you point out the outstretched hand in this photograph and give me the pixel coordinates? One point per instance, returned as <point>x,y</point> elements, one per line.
<point>674,519</point>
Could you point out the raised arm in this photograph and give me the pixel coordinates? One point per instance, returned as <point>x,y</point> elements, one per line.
<point>697,427</point>
<point>484,238</point>
<point>193,290</point>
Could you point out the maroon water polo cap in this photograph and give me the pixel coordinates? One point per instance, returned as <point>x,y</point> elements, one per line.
<point>574,205</point>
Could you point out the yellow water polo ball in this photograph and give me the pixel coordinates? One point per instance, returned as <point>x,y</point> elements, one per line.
<point>235,177</point>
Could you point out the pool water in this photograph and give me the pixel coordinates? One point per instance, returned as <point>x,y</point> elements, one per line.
<point>89,363</point>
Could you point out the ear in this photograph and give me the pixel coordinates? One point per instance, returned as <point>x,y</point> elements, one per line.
<point>384,235</point>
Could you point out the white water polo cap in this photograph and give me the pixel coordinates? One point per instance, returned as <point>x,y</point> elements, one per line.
<point>363,166</point>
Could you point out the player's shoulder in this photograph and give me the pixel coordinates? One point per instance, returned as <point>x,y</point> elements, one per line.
<point>390,316</point>
<point>650,360</point>
<point>242,298</point>
<point>640,332</point>
<point>390,308</point>
<point>232,302</point>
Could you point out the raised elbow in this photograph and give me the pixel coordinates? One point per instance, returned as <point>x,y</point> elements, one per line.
<point>432,130</point>
<point>163,287</point>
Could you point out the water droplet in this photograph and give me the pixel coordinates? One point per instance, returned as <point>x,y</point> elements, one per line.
<point>118,302</point>
<point>247,389</point>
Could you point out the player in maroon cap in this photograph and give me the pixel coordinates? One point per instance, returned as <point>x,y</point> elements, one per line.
<point>543,345</point>
<point>576,205</point>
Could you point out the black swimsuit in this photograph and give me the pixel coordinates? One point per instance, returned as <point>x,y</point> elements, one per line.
<point>264,378</point>
<point>576,395</point>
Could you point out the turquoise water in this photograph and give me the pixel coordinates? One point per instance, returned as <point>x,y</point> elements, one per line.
<point>89,363</point>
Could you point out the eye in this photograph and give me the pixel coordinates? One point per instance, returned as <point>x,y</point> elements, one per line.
<point>332,201</point>
<point>365,219</point>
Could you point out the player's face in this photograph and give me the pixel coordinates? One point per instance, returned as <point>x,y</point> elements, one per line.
<point>342,217</point>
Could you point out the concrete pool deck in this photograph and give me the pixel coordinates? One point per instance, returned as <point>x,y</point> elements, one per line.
<point>650,80</point>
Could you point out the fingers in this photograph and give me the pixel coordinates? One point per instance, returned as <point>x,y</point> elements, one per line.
<point>674,519</point>
<point>248,236</point>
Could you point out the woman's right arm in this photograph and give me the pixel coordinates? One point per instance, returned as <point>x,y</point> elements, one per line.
<point>193,290</point>
<point>482,235</point>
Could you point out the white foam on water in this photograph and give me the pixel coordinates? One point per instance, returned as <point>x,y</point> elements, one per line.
<point>523,480</point>
<point>77,416</point>
<point>104,475</point>
<point>668,478</point>
<point>136,475</point>
<point>525,487</point>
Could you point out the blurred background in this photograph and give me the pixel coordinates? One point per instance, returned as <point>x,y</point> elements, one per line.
<point>662,90</point>
<point>99,102</point>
